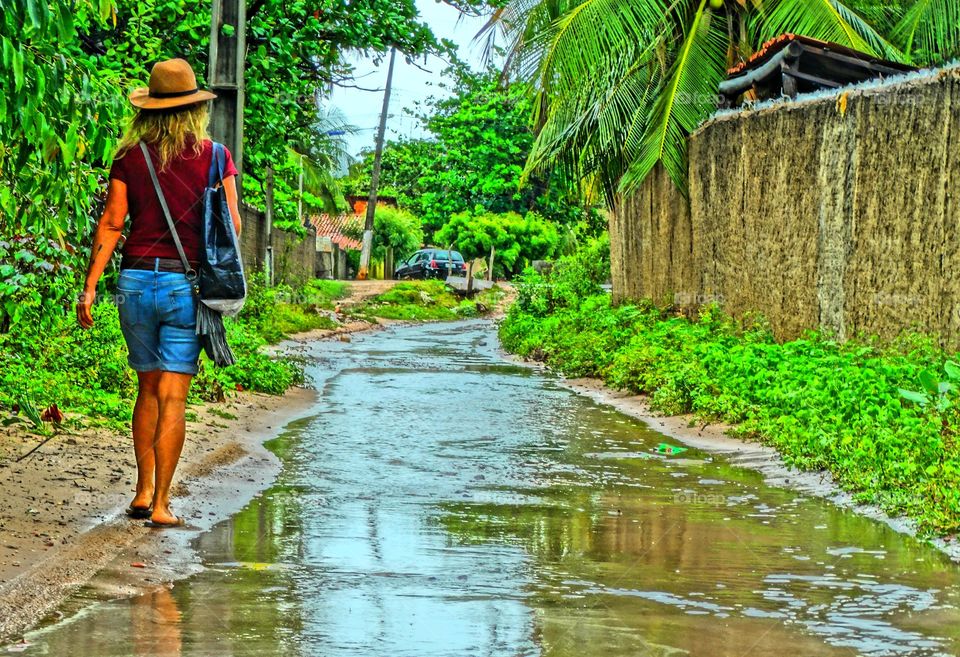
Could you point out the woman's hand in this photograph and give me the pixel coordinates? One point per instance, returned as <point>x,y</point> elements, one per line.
<point>85,308</point>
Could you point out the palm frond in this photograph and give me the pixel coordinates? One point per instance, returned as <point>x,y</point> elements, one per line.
<point>591,132</point>
<point>592,35</point>
<point>930,31</point>
<point>518,22</point>
<point>686,98</point>
<point>321,156</point>
<point>827,20</point>
<point>591,63</point>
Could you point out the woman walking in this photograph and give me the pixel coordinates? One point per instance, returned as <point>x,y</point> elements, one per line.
<point>155,300</point>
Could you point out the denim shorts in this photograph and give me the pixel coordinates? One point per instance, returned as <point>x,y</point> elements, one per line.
<point>158,317</point>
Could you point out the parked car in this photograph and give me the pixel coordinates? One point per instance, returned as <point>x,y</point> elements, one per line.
<point>432,263</point>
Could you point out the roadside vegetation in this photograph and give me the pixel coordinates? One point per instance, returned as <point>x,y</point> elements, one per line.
<point>882,418</point>
<point>84,373</point>
<point>426,301</point>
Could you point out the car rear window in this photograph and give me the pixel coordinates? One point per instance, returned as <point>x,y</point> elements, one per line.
<point>442,255</point>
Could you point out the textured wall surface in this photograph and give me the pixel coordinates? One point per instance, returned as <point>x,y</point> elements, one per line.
<point>841,215</point>
<point>650,240</point>
<point>295,259</point>
<point>252,239</point>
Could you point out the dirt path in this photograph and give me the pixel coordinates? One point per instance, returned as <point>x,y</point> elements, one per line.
<point>360,291</point>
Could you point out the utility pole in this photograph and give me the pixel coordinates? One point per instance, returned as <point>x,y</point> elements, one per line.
<point>268,255</point>
<point>367,248</point>
<point>225,75</point>
<point>300,196</point>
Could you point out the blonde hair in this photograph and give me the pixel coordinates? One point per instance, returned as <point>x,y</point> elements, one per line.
<point>167,131</point>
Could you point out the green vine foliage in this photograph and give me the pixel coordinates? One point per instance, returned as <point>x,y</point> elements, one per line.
<point>57,114</point>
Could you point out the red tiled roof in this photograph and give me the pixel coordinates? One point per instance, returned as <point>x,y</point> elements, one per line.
<point>333,227</point>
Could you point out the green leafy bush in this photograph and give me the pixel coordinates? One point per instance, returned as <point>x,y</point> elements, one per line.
<point>276,312</point>
<point>86,371</point>
<point>572,279</point>
<point>822,404</point>
<point>62,364</point>
<point>518,238</point>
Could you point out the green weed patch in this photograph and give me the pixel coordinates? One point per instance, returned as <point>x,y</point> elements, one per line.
<point>85,373</point>
<point>425,301</point>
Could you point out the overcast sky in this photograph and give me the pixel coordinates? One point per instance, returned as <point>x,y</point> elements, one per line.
<point>410,84</point>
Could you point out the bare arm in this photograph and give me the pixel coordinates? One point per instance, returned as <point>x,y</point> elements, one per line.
<point>230,187</point>
<point>105,239</point>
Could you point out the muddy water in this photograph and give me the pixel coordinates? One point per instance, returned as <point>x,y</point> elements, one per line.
<point>443,502</point>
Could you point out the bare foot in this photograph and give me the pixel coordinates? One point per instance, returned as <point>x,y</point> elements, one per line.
<point>142,501</point>
<point>163,516</point>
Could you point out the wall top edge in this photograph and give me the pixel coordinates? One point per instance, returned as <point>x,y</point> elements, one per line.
<point>895,84</point>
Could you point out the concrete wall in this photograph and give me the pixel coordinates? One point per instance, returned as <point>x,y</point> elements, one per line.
<point>813,213</point>
<point>295,258</point>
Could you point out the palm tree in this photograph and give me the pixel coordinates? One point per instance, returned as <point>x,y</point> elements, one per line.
<point>621,83</point>
<point>320,158</point>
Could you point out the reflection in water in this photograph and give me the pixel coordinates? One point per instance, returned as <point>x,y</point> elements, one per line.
<point>155,625</point>
<point>442,503</point>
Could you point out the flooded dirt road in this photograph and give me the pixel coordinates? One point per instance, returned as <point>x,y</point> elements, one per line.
<point>441,501</point>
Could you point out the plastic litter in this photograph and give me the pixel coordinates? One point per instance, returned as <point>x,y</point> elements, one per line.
<point>669,450</point>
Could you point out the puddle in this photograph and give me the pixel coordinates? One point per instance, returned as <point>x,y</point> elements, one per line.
<point>441,502</point>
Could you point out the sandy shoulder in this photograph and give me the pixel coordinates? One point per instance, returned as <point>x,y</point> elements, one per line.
<point>62,509</point>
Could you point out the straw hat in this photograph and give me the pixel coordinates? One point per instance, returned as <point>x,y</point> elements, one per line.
<point>172,84</point>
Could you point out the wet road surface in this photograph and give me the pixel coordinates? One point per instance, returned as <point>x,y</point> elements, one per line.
<point>441,501</point>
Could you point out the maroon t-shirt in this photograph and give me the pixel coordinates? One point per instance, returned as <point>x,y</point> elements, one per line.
<point>182,183</point>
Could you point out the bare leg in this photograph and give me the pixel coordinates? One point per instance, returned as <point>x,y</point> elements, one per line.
<point>168,443</point>
<point>144,430</point>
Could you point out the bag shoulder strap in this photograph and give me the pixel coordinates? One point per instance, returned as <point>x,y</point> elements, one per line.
<point>217,162</point>
<point>190,271</point>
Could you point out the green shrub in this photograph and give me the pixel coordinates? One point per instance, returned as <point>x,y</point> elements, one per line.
<point>518,239</point>
<point>572,279</point>
<point>279,311</point>
<point>86,371</point>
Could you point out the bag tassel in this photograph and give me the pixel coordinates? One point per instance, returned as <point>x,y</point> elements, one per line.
<point>214,336</point>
